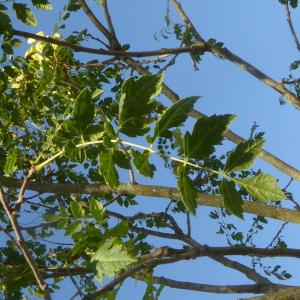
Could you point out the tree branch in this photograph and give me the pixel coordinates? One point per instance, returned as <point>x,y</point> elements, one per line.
<point>108,19</point>
<point>97,189</point>
<point>283,294</point>
<point>248,272</point>
<point>166,255</point>
<point>242,64</point>
<point>291,26</point>
<point>148,261</point>
<point>118,53</point>
<point>22,245</point>
<point>22,190</point>
<point>220,289</point>
<point>94,19</point>
<point>230,135</point>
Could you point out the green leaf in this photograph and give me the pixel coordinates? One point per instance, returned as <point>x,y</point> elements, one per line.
<point>187,190</point>
<point>96,94</point>
<point>174,116</point>
<point>5,23</point>
<point>242,157</point>
<point>110,259</point>
<point>63,211</point>
<point>52,218</point>
<point>24,14</point>
<point>136,104</point>
<point>84,109</point>
<point>262,187</point>
<point>77,209</point>
<point>109,130</point>
<point>231,198</point>
<point>121,159</point>
<point>141,162</point>
<point>11,161</point>
<point>120,230</point>
<point>62,224</point>
<point>207,133</point>
<point>108,170</point>
<point>73,228</point>
<point>97,210</point>
<point>42,4</point>
<point>15,43</point>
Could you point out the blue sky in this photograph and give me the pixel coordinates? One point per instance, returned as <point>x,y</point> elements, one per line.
<point>255,30</point>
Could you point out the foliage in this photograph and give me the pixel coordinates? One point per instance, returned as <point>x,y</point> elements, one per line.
<point>99,131</point>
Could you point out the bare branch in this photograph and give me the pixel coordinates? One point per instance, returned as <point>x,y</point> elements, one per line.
<point>118,53</point>
<point>22,245</point>
<point>220,289</point>
<point>250,273</point>
<point>282,294</point>
<point>277,234</point>
<point>94,19</point>
<point>147,261</point>
<point>242,64</point>
<point>97,189</point>
<point>22,190</point>
<point>289,20</point>
<point>108,18</point>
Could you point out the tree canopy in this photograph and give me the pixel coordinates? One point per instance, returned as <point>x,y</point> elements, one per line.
<point>89,138</point>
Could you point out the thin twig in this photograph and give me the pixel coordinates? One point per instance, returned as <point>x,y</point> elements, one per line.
<point>288,184</point>
<point>188,223</point>
<point>22,245</point>
<point>289,20</point>
<point>277,235</point>
<point>170,63</point>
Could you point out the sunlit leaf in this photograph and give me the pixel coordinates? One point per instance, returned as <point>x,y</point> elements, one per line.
<point>11,161</point>
<point>110,259</point>
<point>42,4</point>
<point>97,210</point>
<point>262,187</point>
<point>24,14</point>
<point>77,209</point>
